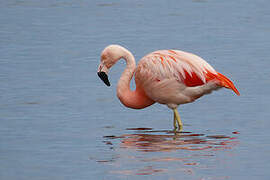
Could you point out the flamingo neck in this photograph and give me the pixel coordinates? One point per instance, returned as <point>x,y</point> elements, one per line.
<point>136,99</point>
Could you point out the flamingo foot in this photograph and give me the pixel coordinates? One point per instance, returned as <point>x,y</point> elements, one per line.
<point>177,121</point>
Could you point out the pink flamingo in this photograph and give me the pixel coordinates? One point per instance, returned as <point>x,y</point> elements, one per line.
<point>170,77</point>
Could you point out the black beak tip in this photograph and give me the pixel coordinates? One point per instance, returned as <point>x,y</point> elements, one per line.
<point>104,77</point>
<point>108,83</point>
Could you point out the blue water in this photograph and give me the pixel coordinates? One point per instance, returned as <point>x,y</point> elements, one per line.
<point>59,121</point>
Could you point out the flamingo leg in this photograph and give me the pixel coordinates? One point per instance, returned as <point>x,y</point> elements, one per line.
<point>174,122</point>
<point>178,120</point>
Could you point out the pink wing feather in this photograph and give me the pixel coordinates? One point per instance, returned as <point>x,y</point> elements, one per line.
<point>185,67</point>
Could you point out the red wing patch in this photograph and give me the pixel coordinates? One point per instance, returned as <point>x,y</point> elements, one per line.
<point>192,80</point>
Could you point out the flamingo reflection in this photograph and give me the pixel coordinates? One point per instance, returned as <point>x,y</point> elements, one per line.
<point>146,139</point>
<point>190,147</point>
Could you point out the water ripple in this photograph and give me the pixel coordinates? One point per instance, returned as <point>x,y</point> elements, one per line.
<point>187,148</point>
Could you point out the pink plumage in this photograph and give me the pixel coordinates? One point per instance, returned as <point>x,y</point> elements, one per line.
<point>176,77</point>
<point>170,77</point>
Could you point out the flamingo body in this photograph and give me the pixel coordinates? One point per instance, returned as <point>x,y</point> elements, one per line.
<point>176,77</point>
<point>170,77</point>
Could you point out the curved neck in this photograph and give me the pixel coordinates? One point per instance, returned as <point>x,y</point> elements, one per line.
<point>133,99</point>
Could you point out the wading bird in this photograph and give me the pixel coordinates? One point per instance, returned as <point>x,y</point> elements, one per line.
<point>169,77</point>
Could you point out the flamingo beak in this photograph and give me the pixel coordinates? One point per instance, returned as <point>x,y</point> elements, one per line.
<point>104,77</point>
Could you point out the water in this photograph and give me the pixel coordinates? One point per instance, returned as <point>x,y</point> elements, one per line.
<point>59,121</point>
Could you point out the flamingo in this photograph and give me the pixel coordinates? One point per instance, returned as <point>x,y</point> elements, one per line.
<point>170,77</point>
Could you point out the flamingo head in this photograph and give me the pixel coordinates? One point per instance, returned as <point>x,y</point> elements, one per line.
<point>109,56</point>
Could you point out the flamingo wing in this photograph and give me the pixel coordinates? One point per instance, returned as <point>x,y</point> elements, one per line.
<point>187,68</point>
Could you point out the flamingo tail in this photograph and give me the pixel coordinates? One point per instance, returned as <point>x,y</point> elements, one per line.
<point>227,83</point>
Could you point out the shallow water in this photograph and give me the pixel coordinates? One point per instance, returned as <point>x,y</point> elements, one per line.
<point>59,121</point>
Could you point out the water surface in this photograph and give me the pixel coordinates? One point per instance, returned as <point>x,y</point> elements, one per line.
<point>59,121</point>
